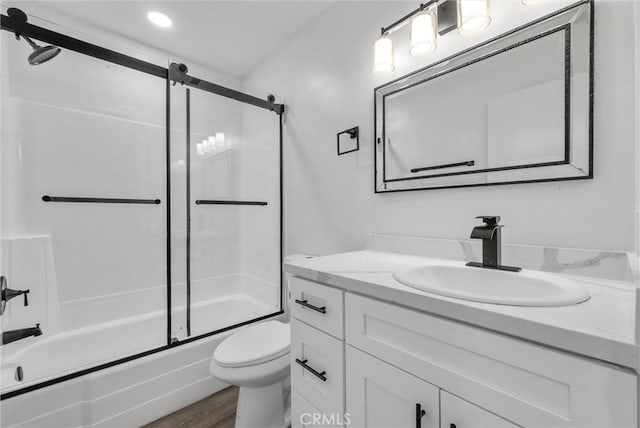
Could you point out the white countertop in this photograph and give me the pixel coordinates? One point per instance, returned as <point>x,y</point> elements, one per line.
<point>602,327</point>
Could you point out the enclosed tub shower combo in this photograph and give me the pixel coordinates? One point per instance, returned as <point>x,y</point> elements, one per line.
<point>140,205</point>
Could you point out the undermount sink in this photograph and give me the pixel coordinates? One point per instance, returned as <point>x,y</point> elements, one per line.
<point>524,288</point>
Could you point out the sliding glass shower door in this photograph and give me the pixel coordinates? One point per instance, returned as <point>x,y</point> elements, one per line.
<point>135,216</point>
<point>83,214</point>
<point>227,208</point>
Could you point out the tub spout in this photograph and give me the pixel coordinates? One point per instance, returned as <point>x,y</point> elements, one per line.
<point>22,333</point>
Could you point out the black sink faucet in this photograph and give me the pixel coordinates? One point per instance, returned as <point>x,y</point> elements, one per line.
<point>21,333</point>
<point>490,233</point>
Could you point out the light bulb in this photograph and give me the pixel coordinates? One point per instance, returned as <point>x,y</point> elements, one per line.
<point>383,55</point>
<point>200,148</point>
<point>422,33</point>
<point>220,139</point>
<point>530,2</point>
<point>473,15</point>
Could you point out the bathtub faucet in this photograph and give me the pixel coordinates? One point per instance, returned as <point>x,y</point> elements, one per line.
<point>21,333</point>
<point>7,294</point>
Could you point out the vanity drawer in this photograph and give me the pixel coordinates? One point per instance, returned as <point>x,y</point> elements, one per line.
<point>317,367</point>
<point>525,383</point>
<point>318,305</point>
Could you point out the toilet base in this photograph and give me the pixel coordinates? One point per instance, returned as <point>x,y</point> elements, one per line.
<point>261,407</point>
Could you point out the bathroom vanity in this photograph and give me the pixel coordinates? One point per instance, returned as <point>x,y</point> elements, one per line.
<point>367,351</point>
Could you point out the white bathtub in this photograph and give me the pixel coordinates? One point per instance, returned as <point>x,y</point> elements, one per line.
<point>129,394</point>
<point>46,357</point>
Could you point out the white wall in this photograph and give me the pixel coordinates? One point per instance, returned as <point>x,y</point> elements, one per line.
<point>324,75</point>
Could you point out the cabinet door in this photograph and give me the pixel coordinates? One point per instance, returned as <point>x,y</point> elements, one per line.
<point>457,413</point>
<point>302,412</point>
<point>380,395</point>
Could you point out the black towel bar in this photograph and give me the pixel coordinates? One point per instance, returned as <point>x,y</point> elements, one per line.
<point>48,198</point>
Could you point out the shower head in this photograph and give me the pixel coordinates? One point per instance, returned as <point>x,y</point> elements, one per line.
<point>41,54</point>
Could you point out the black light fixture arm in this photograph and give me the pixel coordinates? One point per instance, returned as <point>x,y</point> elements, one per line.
<point>447,12</point>
<point>404,19</point>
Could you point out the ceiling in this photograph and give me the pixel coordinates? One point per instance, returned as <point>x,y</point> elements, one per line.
<point>229,36</point>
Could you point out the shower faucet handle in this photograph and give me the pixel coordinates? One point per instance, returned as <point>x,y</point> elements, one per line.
<point>7,294</point>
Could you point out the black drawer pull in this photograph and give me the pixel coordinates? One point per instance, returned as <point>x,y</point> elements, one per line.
<point>322,310</point>
<point>314,372</point>
<point>419,414</point>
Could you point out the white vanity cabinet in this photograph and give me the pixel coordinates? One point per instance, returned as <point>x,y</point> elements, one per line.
<point>390,366</point>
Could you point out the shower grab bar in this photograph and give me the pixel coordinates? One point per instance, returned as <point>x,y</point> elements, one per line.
<point>48,198</point>
<point>446,165</point>
<point>223,202</point>
<point>319,375</point>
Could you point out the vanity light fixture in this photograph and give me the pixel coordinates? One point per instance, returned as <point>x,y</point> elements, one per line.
<point>473,16</point>
<point>422,33</point>
<point>383,55</point>
<point>430,20</point>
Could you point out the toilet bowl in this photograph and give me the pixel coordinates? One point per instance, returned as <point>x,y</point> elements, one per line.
<point>256,359</point>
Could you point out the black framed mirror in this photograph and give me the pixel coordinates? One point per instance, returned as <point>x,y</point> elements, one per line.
<point>515,109</point>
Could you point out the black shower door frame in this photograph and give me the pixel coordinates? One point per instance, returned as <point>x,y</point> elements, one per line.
<point>172,76</point>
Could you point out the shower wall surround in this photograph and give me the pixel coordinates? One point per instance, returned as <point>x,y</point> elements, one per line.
<point>327,80</point>
<point>81,127</point>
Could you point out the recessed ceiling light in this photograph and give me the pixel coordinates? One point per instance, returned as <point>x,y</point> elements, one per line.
<point>159,19</point>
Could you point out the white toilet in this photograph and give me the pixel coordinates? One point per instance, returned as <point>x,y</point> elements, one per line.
<point>256,359</point>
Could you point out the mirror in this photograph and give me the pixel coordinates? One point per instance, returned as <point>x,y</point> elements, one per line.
<point>515,109</point>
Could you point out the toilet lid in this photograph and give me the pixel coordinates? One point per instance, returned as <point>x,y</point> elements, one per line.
<point>254,345</point>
